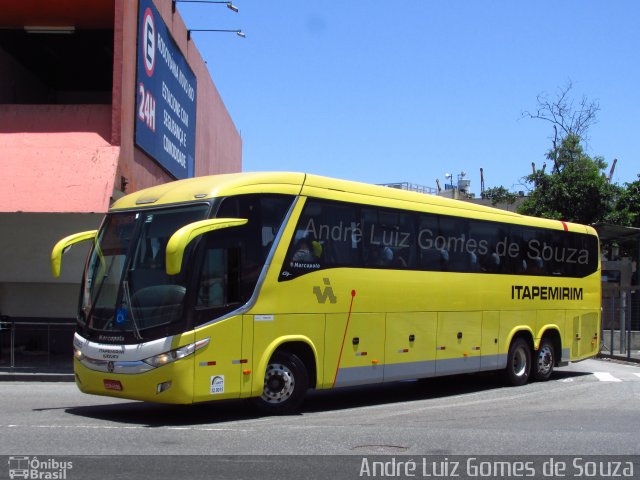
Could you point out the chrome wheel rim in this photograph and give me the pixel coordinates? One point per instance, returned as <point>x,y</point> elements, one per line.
<point>279,384</point>
<point>545,360</point>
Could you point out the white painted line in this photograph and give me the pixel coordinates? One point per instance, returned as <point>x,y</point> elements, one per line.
<point>637,374</point>
<point>606,377</point>
<point>120,427</point>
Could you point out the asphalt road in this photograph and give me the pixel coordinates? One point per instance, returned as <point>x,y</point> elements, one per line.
<point>592,407</point>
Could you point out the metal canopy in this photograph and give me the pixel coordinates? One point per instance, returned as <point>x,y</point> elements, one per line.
<point>627,236</point>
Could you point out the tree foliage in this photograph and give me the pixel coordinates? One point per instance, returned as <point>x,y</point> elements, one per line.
<point>576,191</point>
<point>499,195</point>
<point>627,206</point>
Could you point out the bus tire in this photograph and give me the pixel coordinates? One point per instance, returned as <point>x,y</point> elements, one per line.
<point>285,384</point>
<point>543,361</point>
<point>518,362</point>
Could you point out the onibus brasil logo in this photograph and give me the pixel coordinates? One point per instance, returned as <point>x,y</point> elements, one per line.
<point>33,468</point>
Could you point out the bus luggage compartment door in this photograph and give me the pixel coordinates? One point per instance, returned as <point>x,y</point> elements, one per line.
<point>410,345</point>
<point>458,342</point>
<point>355,351</point>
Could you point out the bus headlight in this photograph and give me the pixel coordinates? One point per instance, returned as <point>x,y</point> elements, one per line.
<point>77,354</point>
<point>176,354</point>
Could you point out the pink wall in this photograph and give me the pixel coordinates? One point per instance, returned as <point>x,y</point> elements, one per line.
<point>69,158</point>
<point>56,158</point>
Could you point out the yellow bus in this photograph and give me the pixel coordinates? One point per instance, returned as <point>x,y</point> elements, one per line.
<point>263,285</point>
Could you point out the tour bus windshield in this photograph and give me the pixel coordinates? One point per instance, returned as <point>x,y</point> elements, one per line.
<point>127,293</point>
<point>126,287</point>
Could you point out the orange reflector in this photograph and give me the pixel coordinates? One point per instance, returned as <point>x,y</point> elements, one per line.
<point>246,372</point>
<point>375,362</point>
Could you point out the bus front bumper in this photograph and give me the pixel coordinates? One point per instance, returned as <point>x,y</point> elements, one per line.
<point>172,383</point>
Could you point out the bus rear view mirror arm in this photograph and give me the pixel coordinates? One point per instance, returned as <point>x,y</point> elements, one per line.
<point>63,245</point>
<point>181,238</point>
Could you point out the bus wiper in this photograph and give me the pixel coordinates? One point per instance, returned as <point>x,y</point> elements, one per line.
<point>127,302</point>
<point>92,303</point>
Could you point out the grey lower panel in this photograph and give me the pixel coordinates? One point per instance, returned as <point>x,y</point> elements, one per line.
<point>407,371</point>
<point>412,370</point>
<point>348,377</point>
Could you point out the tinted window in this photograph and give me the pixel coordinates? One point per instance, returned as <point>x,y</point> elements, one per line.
<point>332,234</point>
<point>234,257</point>
<point>388,238</point>
<point>328,235</point>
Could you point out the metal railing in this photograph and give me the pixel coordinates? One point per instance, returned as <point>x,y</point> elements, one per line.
<point>412,187</point>
<point>36,345</point>
<point>620,322</point>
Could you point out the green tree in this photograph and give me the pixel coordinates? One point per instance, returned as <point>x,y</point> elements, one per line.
<point>627,206</point>
<point>577,190</point>
<point>499,195</point>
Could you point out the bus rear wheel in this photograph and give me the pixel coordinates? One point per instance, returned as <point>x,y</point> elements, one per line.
<point>285,383</point>
<point>543,362</point>
<point>518,362</point>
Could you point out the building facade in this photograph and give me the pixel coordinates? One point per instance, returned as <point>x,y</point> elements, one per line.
<point>97,99</point>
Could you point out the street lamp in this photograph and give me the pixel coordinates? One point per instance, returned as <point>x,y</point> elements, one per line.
<point>229,5</point>
<point>240,33</point>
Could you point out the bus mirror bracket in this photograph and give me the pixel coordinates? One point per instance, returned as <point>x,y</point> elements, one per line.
<point>63,245</point>
<point>182,237</point>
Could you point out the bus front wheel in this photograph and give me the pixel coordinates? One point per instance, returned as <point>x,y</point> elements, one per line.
<point>518,362</point>
<point>285,383</point>
<point>544,360</point>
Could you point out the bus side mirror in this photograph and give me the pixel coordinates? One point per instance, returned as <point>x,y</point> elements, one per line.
<point>181,238</point>
<point>63,245</point>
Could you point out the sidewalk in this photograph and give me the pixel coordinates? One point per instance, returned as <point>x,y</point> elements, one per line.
<point>632,356</point>
<point>610,347</point>
<point>18,376</point>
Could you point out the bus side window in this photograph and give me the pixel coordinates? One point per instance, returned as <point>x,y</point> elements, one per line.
<point>327,236</point>
<point>211,289</point>
<point>432,252</point>
<point>219,282</point>
<point>389,238</point>
<point>461,244</point>
<point>487,239</point>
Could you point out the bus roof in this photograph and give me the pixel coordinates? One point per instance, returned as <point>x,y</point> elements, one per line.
<point>292,183</point>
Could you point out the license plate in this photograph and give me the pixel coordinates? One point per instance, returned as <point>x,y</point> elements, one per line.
<point>113,385</point>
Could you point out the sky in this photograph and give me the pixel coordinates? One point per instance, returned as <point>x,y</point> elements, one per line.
<point>383,91</point>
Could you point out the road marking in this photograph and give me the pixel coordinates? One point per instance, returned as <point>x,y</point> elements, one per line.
<point>606,377</point>
<point>131,427</point>
<point>637,374</point>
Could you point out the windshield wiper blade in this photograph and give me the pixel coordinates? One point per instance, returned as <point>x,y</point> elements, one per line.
<point>127,301</point>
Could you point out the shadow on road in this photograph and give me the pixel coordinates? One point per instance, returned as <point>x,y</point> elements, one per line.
<point>155,415</point>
